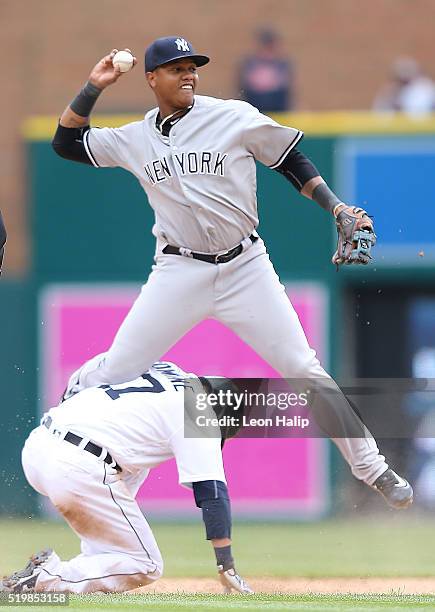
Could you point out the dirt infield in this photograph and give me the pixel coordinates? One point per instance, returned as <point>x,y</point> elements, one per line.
<point>408,586</point>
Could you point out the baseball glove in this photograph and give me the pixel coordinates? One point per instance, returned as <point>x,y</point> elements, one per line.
<point>356,236</point>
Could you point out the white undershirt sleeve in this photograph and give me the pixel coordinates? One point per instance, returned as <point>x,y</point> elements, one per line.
<point>197,458</point>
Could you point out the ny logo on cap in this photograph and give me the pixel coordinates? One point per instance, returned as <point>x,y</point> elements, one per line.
<point>182,44</point>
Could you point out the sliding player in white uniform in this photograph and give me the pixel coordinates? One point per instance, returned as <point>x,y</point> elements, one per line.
<point>91,454</point>
<point>195,158</point>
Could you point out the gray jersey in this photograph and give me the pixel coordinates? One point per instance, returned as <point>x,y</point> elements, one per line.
<point>201,179</point>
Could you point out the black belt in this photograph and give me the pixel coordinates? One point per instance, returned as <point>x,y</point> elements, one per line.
<point>90,446</point>
<point>214,259</point>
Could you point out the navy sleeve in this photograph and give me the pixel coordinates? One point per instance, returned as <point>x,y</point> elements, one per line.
<point>68,143</point>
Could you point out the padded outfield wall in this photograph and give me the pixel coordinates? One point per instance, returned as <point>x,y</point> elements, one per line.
<point>93,226</point>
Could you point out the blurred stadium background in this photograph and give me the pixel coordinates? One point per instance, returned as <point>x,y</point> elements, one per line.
<point>79,247</point>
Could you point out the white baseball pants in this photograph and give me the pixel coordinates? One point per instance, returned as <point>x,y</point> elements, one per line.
<point>118,549</point>
<point>246,295</point>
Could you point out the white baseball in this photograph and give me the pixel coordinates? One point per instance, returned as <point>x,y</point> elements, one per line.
<point>123,60</point>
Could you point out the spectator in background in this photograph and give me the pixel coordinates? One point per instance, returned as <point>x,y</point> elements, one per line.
<point>266,76</point>
<point>409,90</point>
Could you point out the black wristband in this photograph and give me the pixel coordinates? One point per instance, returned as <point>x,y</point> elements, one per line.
<point>84,102</point>
<point>325,197</point>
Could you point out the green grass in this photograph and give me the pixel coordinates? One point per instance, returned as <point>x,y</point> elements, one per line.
<point>393,546</point>
<point>259,602</point>
<point>254,603</point>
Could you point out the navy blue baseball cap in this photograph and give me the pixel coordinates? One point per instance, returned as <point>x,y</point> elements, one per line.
<point>169,49</point>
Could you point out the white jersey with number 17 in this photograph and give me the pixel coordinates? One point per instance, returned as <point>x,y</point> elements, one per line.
<point>141,424</point>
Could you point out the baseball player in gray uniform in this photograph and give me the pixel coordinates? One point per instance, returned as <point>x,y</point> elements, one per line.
<point>91,454</point>
<point>195,158</point>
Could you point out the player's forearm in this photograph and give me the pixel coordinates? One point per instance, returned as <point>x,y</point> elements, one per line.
<point>104,73</point>
<point>317,190</point>
<point>76,115</point>
<point>70,119</point>
<point>212,497</point>
<point>304,176</point>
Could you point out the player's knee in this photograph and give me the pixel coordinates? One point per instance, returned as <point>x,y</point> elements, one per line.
<point>117,372</point>
<point>149,570</point>
<point>308,368</point>
<point>141,578</point>
<point>158,571</point>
